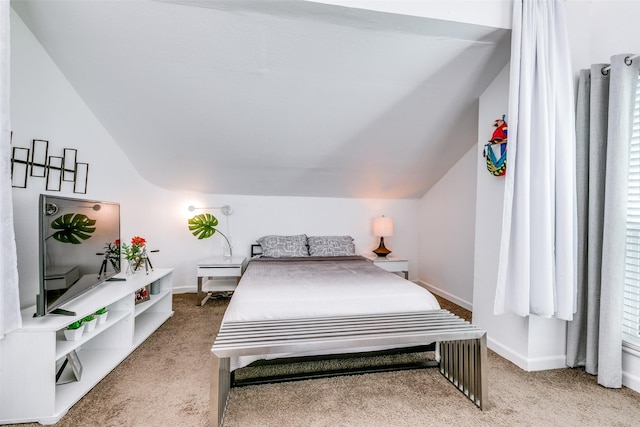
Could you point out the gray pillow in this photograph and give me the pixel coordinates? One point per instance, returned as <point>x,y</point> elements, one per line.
<point>284,246</point>
<point>331,246</point>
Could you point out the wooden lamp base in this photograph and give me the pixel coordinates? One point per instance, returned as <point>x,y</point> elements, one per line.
<point>381,251</point>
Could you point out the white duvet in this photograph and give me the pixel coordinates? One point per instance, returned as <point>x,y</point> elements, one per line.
<point>280,289</point>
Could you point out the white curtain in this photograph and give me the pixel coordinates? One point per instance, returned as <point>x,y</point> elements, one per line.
<point>537,264</point>
<point>10,318</point>
<point>604,129</point>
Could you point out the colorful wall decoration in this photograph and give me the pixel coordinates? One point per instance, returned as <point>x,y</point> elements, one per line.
<point>495,151</point>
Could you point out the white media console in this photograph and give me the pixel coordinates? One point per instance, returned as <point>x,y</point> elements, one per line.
<point>31,356</point>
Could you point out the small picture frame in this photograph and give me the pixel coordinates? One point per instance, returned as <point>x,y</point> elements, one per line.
<point>81,177</point>
<point>142,295</point>
<point>39,157</point>
<point>54,173</point>
<point>70,158</point>
<point>19,167</point>
<point>64,375</point>
<point>76,366</point>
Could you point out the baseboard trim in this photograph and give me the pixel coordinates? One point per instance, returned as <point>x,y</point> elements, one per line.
<point>546,363</point>
<point>444,294</point>
<point>184,290</point>
<point>630,357</point>
<point>505,352</point>
<point>631,381</point>
<point>529,364</point>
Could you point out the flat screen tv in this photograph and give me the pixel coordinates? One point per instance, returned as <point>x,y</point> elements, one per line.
<point>79,249</point>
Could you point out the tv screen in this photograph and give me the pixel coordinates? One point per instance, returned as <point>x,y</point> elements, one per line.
<point>79,249</point>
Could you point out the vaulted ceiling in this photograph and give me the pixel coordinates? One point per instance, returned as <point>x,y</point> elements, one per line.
<point>289,98</point>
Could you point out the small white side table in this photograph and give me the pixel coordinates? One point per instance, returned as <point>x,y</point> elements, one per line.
<point>218,267</point>
<point>390,263</point>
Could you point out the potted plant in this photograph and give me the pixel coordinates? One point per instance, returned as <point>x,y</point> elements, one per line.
<point>89,323</point>
<point>135,254</point>
<point>101,315</point>
<point>74,331</point>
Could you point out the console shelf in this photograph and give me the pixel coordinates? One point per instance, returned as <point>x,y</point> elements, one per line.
<point>64,347</point>
<point>32,355</point>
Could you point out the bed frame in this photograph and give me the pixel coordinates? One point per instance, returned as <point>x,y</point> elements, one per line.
<point>342,365</point>
<point>463,346</point>
<point>256,250</point>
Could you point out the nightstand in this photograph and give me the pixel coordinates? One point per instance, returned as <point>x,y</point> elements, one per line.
<point>213,267</point>
<point>390,263</point>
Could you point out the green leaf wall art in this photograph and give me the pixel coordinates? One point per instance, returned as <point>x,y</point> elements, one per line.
<point>203,225</point>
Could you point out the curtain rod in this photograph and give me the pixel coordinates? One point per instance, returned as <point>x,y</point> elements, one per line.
<point>627,60</point>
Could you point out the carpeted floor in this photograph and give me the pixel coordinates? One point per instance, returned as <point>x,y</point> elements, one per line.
<point>165,382</point>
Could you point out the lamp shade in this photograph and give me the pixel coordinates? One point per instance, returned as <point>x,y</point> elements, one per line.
<point>383,226</point>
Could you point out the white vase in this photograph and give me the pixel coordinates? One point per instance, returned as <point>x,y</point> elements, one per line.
<point>89,325</point>
<point>131,270</point>
<point>101,318</point>
<point>74,334</point>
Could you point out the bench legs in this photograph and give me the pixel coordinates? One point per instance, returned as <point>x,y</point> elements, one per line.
<point>464,364</point>
<point>219,393</point>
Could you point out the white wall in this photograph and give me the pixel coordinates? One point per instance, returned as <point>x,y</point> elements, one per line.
<point>45,106</point>
<point>447,224</point>
<point>530,342</point>
<point>507,335</point>
<point>599,29</point>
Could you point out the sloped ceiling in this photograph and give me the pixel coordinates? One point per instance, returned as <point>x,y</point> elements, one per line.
<point>288,98</point>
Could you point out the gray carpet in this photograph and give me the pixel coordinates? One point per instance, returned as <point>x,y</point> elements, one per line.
<point>165,382</point>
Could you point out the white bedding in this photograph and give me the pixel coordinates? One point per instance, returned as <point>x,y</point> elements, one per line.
<point>309,288</point>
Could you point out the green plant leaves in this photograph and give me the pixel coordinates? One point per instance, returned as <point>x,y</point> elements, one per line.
<point>203,225</point>
<point>75,325</point>
<point>72,228</point>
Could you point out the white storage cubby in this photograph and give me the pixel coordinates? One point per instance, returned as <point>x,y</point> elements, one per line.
<point>31,356</point>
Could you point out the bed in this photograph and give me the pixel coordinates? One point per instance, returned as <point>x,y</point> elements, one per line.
<point>317,298</point>
<point>321,287</point>
<point>317,276</point>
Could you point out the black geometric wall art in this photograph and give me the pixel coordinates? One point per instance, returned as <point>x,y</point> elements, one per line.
<point>37,163</point>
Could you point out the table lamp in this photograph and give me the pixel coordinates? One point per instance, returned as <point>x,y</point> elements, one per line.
<point>382,226</point>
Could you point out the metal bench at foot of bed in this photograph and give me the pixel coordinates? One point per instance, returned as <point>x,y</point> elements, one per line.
<point>463,346</point>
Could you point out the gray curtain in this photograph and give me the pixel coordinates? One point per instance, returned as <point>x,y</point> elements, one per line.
<point>603,132</point>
